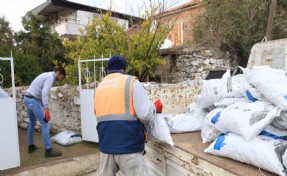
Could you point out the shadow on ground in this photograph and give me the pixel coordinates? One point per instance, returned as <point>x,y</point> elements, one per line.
<point>38,159</point>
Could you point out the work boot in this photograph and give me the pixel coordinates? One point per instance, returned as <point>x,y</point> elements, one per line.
<point>52,153</point>
<point>32,148</point>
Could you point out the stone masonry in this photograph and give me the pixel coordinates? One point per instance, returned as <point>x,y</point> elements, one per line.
<point>64,103</point>
<point>192,64</point>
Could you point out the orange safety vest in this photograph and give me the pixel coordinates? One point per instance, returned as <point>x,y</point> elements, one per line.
<point>118,86</point>
<point>119,129</point>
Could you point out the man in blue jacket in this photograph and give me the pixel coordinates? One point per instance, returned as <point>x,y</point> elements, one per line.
<point>120,104</point>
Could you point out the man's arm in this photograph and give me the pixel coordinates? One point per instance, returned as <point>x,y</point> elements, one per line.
<point>144,108</point>
<point>45,92</point>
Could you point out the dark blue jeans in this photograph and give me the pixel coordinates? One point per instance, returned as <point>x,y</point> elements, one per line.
<point>36,111</point>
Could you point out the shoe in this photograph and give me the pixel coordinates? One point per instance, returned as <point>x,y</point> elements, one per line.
<point>52,153</point>
<point>32,148</point>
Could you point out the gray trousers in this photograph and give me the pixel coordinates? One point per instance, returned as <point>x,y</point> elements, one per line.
<point>130,164</point>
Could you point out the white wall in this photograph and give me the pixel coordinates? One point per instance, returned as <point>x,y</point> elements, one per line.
<point>70,21</point>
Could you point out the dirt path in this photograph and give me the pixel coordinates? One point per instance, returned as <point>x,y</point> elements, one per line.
<point>37,158</point>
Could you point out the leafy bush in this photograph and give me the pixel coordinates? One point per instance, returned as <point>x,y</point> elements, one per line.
<point>237,25</point>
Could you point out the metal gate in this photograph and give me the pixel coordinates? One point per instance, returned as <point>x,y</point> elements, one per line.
<point>88,118</point>
<point>9,153</point>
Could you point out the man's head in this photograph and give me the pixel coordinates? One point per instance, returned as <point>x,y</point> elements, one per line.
<point>60,73</point>
<point>117,62</point>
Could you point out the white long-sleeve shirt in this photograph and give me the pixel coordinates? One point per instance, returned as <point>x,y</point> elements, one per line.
<point>144,108</point>
<point>41,86</point>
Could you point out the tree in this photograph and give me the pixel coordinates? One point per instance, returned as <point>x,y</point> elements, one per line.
<point>22,62</point>
<point>144,45</point>
<point>105,37</point>
<point>38,40</point>
<point>6,46</point>
<point>6,34</point>
<point>25,68</point>
<point>237,25</point>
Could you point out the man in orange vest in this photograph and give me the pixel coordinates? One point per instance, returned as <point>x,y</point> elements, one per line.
<point>120,104</point>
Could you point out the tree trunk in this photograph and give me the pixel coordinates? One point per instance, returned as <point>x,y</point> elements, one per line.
<point>270,20</point>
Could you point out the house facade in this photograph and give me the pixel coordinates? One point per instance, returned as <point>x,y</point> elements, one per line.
<point>68,18</point>
<point>181,20</point>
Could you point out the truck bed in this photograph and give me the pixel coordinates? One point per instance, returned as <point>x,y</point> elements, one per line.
<point>187,157</point>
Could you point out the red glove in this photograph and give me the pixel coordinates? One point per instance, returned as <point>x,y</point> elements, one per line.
<point>158,106</point>
<point>47,116</point>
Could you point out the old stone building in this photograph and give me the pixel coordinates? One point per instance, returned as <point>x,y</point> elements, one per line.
<point>184,60</point>
<point>191,63</point>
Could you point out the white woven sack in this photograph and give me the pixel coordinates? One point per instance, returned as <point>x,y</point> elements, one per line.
<point>229,101</point>
<point>158,130</point>
<point>261,153</point>
<point>251,93</point>
<point>284,159</point>
<point>215,89</point>
<point>181,123</point>
<point>274,133</point>
<point>245,119</point>
<point>281,121</point>
<point>197,110</point>
<point>67,138</point>
<point>208,132</point>
<point>186,122</point>
<point>272,83</point>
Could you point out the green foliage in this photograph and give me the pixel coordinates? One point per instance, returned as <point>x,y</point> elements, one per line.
<point>25,68</point>
<point>143,48</point>
<point>6,46</point>
<point>105,37</point>
<point>236,25</point>
<point>34,50</point>
<point>279,28</point>
<point>38,40</point>
<point>6,34</point>
<point>102,38</point>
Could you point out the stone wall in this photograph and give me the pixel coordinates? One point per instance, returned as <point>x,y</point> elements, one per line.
<point>190,64</point>
<point>64,103</point>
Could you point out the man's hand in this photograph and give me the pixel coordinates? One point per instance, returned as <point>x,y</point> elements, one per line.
<point>158,106</point>
<point>47,116</point>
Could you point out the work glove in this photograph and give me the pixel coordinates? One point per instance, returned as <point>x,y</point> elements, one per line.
<point>47,116</point>
<point>158,106</point>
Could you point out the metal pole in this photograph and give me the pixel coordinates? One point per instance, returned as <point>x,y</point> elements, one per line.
<point>92,60</point>
<point>79,72</point>
<point>95,70</point>
<point>13,78</point>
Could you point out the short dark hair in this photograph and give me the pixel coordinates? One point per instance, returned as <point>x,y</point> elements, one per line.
<point>61,70</point>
